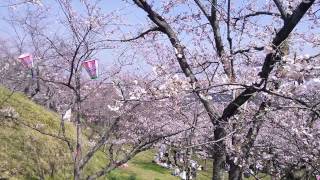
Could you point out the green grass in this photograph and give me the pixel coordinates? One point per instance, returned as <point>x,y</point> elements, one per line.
<point>28,154</point>
<point>25,153</point>
<point>142,168</point>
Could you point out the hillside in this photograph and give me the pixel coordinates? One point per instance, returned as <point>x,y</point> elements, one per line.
<point>25,153</point>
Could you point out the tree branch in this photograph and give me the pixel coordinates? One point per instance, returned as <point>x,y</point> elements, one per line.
<point>213,20</point>
<point>270,59</point>
<point>258,13</point>
<point>180,54</point>
<point>202,8</point>
<point>240,51</point>
<point>20,121</point>
<point>142,146</point>
<point>103,139</point>
<point>283,12</point>
<point>153,29</point>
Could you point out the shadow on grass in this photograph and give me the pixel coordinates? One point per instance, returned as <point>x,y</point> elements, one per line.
<point>151,166</point>
<point>118,176</point>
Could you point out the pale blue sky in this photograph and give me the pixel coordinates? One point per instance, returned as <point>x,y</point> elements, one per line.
<point>132,13</point>
<point>105,56</point>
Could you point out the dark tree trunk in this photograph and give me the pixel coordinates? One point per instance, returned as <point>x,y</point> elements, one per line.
<point>205,164</point>
<point>78,128</point>
<point>219,155</point>
<point>235,172</point>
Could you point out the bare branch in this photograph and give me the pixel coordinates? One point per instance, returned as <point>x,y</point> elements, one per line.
<point>202,8</point>
<point>210,142</point>
<point>20,121</point>
<point>213,20</point>
<point>258,13</point>
<point>240,51</point>
<point>153,29</point>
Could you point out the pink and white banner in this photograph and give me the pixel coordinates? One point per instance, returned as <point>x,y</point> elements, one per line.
<point>26,59</point>
<point>91,67</point>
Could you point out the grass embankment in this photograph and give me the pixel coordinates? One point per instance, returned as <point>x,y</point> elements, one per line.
<point>24,152</point>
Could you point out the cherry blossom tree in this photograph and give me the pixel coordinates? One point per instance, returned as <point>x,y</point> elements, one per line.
<point>249,38</point>
<point>127,114</point>
<point>236,80</point>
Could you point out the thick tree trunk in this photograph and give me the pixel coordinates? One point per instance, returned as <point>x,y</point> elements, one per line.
<point>76,172</point>
<point>235,172</point>
<point>218,166</point>
<point>219,155</point>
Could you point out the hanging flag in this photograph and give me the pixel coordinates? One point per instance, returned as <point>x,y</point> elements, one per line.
<point>91,67</point>
<point>26,59</point>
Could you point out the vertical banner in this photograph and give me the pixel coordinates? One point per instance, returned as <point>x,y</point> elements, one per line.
<point>91,67</point>
<point>26,59</point>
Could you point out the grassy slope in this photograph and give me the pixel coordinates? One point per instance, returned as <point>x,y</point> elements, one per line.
<point>27,154</point>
